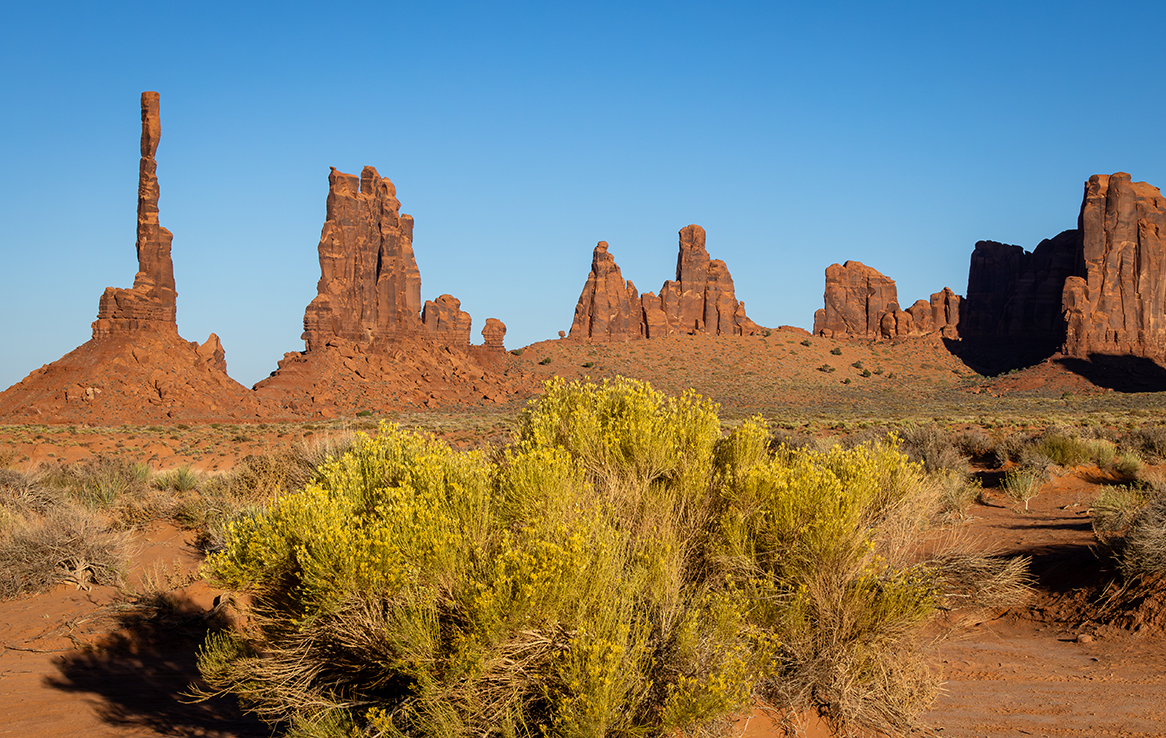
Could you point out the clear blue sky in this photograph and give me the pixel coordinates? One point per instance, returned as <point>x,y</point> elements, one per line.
<point>518,135</point>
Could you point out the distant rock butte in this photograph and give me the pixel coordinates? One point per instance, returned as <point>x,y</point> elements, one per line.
<point>494,334</point>
<point>136,368</point>
<point>863,303</point>
<point>151,303</point>
<point>700,301</point>
<point>1116,302</point>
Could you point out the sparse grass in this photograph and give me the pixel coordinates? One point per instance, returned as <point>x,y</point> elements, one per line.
<point>1143,550</point>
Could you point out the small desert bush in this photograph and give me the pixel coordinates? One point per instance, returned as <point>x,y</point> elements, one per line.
<point>1022,484</point>
<point>1127,464</point>
<point>182,479</point>
<point>1150,440</point>
<point>622,569</point>
<point>934,447</point>
<point>1063,448</point>
<point>1114,511</point>
<point>47,537</point>
<point>957,491</point>
<point>974,442</point>
<point>1143,549</point>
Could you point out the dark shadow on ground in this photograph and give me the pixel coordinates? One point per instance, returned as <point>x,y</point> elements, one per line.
<point>1119,373</point>
<point>138,674</point>
<point>991,357</point>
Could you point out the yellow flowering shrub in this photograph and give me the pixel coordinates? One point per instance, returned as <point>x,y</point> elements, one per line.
<point>622,569</point>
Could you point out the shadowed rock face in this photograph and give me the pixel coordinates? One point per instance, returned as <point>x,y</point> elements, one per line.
<point>1016,294</point>
<point>151,303</point>
<point>370,287</point>
<point>1117,304</point>
<point>700,301</point>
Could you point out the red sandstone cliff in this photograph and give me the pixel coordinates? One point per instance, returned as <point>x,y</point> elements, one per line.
<point>1118,306</point>
<point>863,303</point>
<point>701,300</point>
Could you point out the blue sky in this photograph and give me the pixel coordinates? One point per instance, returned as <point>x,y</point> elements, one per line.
<point>520,134</point>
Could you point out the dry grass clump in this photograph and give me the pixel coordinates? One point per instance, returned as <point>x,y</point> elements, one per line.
<point>1143,549</point>
<point>622,569</point>
<point>934,447</point>
<point>1022,484</point>
<point>47,537</point>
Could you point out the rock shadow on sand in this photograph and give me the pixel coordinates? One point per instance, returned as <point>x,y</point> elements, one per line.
<point>137,675</point>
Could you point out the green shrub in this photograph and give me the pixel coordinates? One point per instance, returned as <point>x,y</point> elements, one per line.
<point>621,569</point>
<point>836,351</point>
<point>857,365</point>
<point>1064,449</point>
<point>806,342</point>
<point>1127,464</point>
<point>182,479</point>
<point>364,414</point>
<point>545,360</point>
<point>865,373</point>
<point>826,369</point>
<point>1022,484</point>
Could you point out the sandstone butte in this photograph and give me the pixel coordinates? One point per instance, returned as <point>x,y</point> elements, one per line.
<point>136,367</point>
<point>1098,289</point>
<point>370,343</point>
<point>863,303</point>
<point>700,301</point>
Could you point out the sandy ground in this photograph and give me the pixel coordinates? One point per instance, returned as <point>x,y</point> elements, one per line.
<point>79,662</point>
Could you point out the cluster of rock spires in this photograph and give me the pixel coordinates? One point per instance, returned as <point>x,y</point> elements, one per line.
<point>1099,289</point>
<point>700,301</point>
<point>366,327</point>
<point>370,343</point>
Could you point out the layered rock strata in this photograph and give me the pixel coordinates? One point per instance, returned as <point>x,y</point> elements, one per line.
<point>494,334</point>
<point>863,303</point>
<point>1116,302</point>
<point>701,300</point>
<point>151,303</point>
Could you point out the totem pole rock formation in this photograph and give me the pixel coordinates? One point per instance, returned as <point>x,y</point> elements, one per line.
<point>700,301</point>
<point>1116,303</point>
<point>863,303</point>
<point>151,303</point>
<point>136,368</point>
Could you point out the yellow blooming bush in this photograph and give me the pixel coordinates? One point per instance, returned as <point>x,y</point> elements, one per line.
<point>622,569</point>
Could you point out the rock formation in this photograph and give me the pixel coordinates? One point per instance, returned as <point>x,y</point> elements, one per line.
<point>370,287</point>
<point>1116,302</point>
<point>863,303</point>
<point>150,304</point>
<point>494,334</point>
<point>136,368</point>
<point>370,344</point>
<point>1015,294</point>
<point>700,301</point>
